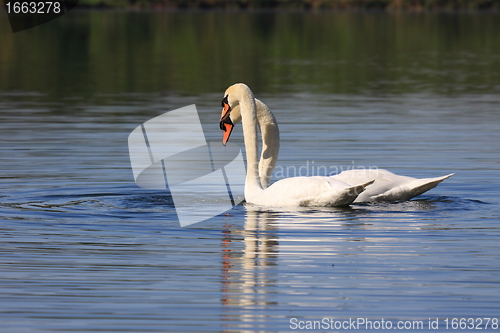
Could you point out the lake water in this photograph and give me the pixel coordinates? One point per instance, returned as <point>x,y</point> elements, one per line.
<point>82,248</point>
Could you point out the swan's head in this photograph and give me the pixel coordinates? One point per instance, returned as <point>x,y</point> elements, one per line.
<point>231,115</point>
<point>226,123</point>
<point>231,111</point>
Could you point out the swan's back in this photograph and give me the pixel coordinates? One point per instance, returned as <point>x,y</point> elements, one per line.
<point>309,191</point>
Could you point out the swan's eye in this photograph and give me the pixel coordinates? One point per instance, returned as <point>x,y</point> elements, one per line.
<point>225,101</point>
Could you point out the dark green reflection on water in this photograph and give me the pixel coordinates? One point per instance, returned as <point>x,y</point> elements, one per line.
<point>94,52</point>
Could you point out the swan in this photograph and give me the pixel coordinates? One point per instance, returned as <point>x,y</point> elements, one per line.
<point>239,105</point>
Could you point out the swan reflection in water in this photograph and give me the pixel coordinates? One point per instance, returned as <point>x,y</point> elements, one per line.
<point>250,275</point>
<point>273,252</point>
<point>244,276</point>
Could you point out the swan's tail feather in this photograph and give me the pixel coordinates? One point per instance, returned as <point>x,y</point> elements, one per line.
<point>411,190</point>
<point>349,194</point>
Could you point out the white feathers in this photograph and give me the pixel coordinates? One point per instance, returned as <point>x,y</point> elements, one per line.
<point>338,190</point>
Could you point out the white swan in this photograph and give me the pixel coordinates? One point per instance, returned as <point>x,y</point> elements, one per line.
<point>240,105</point>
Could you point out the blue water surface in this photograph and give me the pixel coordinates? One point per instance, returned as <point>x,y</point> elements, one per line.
<point>84,249</point>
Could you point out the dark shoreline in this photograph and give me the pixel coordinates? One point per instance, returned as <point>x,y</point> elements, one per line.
<point>159,7</point>
<point>349,5</point>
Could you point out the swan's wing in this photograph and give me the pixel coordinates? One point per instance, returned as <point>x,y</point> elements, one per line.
<point>388,186</point>
<point>343,197</point>
<point>411,189</point>
<point>360,176</point>
<point>309,191</point>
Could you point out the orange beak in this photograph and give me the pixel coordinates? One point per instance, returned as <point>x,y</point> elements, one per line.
<point>228,129</point>
<point>225,122</point>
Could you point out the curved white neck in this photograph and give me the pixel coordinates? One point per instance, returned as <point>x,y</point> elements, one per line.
<point>270,142</point>
<point>249,123</point>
